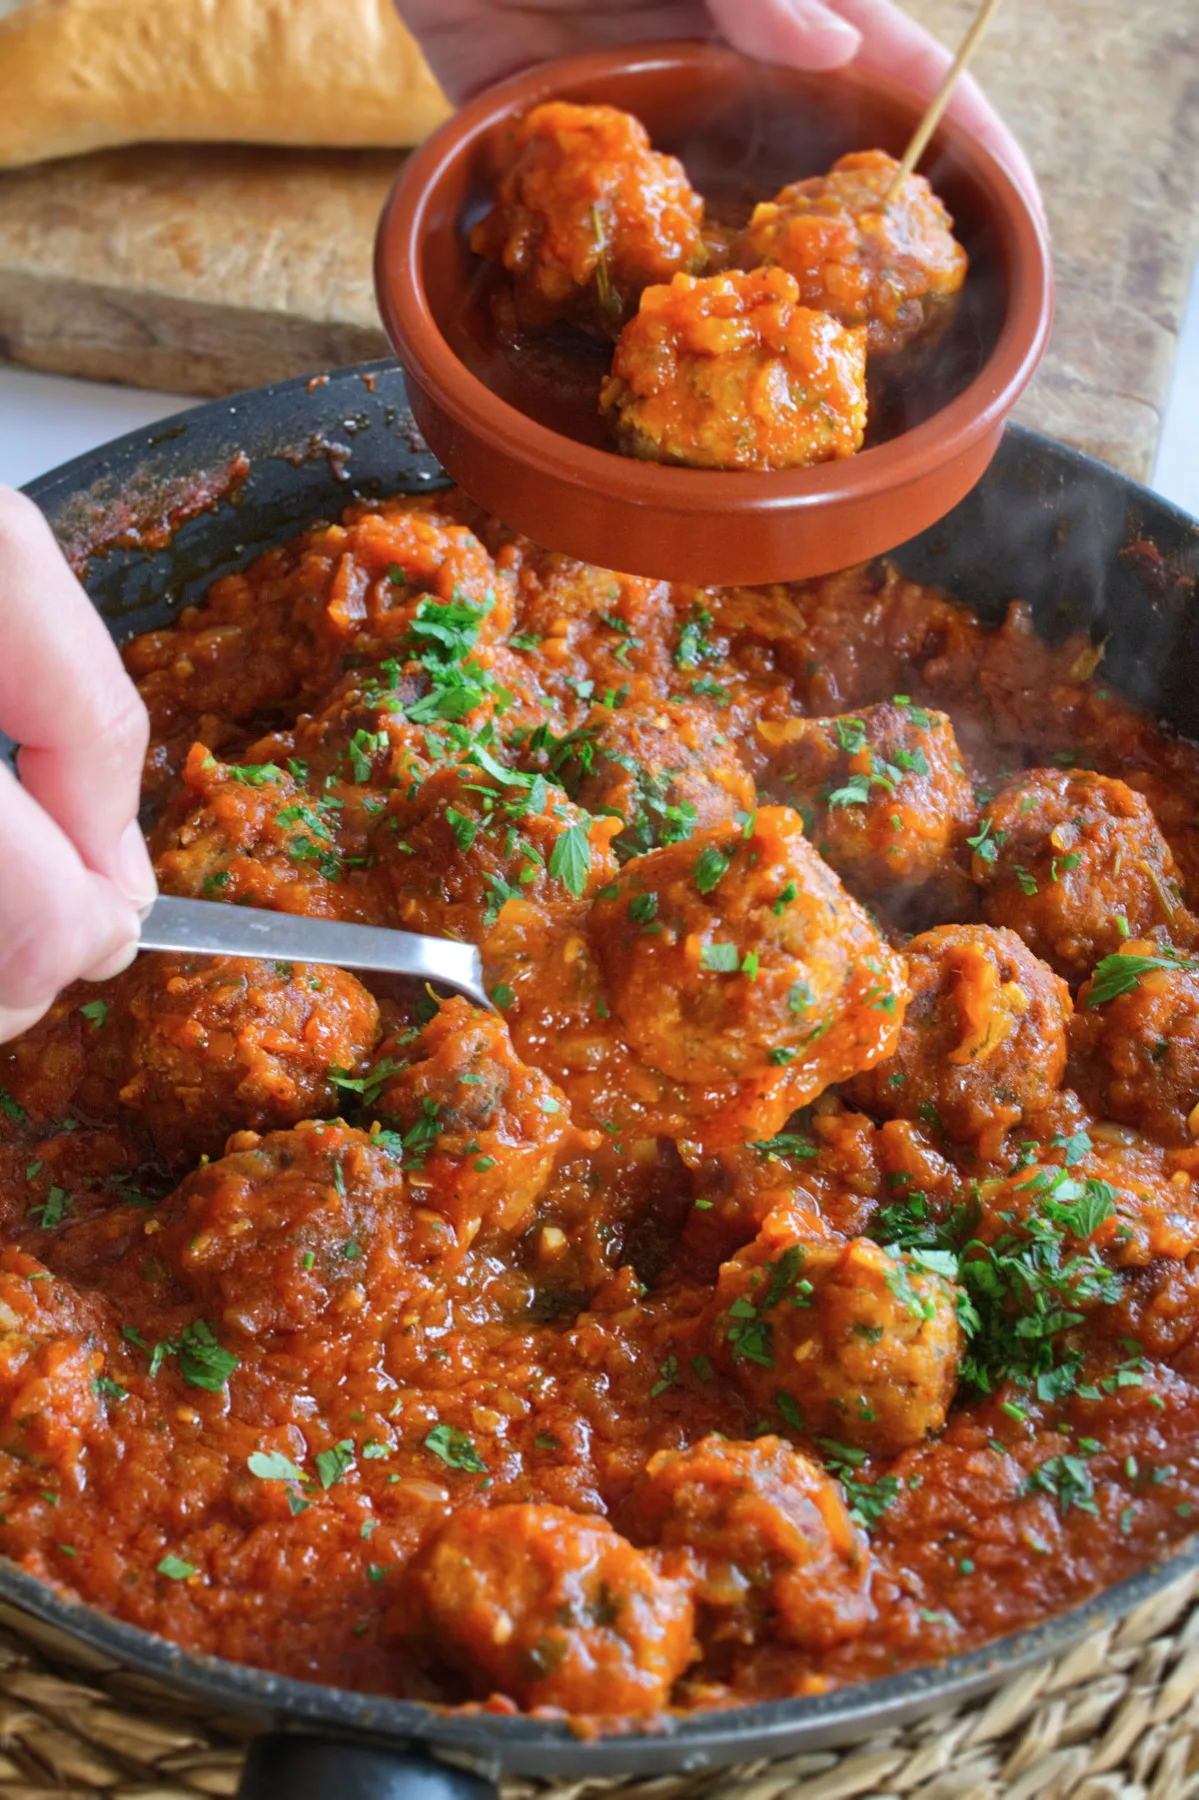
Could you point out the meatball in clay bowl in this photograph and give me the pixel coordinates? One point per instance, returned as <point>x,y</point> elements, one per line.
<point>661,311</point>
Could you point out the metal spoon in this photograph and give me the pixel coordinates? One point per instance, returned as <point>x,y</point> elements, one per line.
<point>207,928</point>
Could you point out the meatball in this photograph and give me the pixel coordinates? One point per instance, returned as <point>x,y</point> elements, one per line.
<point>297,1227</point>
<point>1075,863</point>
<point>51,1355</point>
<point>459,847</point>
<point>359,733</point>
<point>549,1608</point>
<point>1115,1196</point>
<point>861,1344</point>
<point>276,633</point>
<point>983,1040</point>
<point>738,953</point>
<point>218,1044</point>
<point>885,267</point>
<point>481,1129</point>
<point>252,834</point>
<point>588,216</point>
<point>664,770</point>
<point>68,1058</point>
<point>731,372</point>
<point>774,1551</point>
<point>1134,1042</point>
<point>884,794</point>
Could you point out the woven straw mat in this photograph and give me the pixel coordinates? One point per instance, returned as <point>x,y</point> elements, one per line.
<point>1115,1719</point>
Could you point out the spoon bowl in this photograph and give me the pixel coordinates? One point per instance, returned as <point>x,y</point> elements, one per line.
<point>531,448</point>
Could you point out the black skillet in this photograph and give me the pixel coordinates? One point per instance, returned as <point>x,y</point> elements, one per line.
<point>1084,546</point>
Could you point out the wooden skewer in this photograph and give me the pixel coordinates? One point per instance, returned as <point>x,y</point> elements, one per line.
<point>941,99</point>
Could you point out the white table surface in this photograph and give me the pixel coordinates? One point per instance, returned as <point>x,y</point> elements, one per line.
<point>46,419</point>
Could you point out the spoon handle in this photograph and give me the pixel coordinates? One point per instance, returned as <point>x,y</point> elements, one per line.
<point>208,928</point>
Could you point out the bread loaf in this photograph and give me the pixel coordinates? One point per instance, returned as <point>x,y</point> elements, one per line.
<point>77,75</point>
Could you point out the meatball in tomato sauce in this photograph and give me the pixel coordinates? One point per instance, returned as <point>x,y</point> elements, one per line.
<point>884,793</point>
<point>664,770</point>
<point>738,953</point>
<point>889,267</point>
<point>1134,1041</point>
<point>765,1530</point>
<point>52,1357</point>
<point>549,1608</point>
<point>731,372</point>
<point>841,1340</point>
<point>1075,863</point>
<point>457,847</point>
<point>223,1044</point>
<point>295,1229</point>
<point>983,1041</point>
<point>481,1129</point>
<point>587,217</point>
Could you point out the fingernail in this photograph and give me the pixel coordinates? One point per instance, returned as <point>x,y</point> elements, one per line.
<point>837,35</point>
<point>134,872</point>
<point>113,965</point>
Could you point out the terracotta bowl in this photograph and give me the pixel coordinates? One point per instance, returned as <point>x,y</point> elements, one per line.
<point>742,129</point>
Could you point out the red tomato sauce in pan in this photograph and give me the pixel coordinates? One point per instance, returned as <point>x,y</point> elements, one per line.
<point>794,1279</point>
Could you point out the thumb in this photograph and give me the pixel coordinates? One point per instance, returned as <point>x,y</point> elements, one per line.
<point>803,33</point>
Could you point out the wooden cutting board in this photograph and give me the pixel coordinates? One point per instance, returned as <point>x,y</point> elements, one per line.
<point>207,270</point>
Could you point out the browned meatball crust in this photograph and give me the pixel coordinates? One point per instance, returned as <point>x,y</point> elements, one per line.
<point>664,770</point>
<point>295,1228</point>
<point>549,1608</point>
<point>1075,863</point>
<point>773,1549</point>
<point>220,1044</point>
<point>458,847</point>
<point>738,952</point>
<point>1134,1041</point>
<point>587,217</point>
<point>884,793</point>
<point>848,1341</point>
<point>481,1129</point>
<point>983,1039</point>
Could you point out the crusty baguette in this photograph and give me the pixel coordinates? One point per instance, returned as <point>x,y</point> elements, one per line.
<point>76,75</point>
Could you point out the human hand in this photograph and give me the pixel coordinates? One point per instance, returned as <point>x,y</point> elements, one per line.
<point>75,872</point>
<point>471,43</point>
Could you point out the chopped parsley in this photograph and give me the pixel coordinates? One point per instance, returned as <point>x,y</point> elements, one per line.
<point>1067,1480</point>
<point>333,1465</point>
<point>253,775</point>
<point>785,1143</point>
<point>668,1374</point>
<point>272,1465</point>
<point>570,859</point>
<point>748,1332</point>
<point>710,865</point>
<point>455,1450</point>
<point>203,1363</point>
<point>175,1569</point>
<point>53,1209</point>
<point>1122,974</point>
<point>987,844</point>
<point>693,646</point>
<point>12,1109</point>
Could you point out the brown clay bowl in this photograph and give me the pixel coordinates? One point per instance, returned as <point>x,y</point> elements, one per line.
<point>534,454</point>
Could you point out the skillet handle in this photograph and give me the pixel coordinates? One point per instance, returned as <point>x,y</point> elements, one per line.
<point>285,1765</point>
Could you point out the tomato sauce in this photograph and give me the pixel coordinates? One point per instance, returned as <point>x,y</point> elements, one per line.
<point>794,1280</point>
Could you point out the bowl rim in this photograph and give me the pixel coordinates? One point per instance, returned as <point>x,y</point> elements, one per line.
<point>476,410</point>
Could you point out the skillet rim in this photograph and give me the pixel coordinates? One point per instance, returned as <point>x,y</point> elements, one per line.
<point>521,1744</point>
